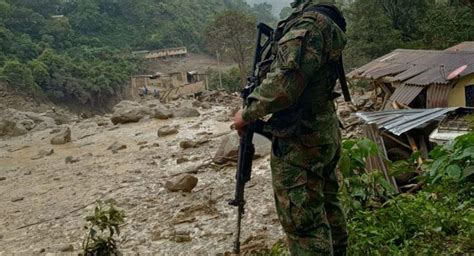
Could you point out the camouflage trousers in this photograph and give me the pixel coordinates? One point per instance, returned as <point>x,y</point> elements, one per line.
<point>306,197</point>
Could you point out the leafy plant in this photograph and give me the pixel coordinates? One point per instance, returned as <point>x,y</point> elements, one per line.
<point>104,225</point>
<point>452,161</point>
<point>361,188</point>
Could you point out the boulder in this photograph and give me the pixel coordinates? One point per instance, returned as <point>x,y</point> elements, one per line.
<point>129,113</point>
<point>186,112</point>
<point>185,144</point>
<point>71,160</point>
<point>17,123</point>
<point>166,131</point>
<point>229,148</point>
<point>43,153</point>
<point>116,147</point>
<point>62,137</point>
<point>206,105</point>
<point>184,183</point>
<point>161,113</point>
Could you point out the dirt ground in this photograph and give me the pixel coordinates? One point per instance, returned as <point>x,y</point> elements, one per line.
<point>44,201</point>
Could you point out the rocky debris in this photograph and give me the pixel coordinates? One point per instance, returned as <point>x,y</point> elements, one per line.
<point>128,112</point>
<point>187,144</point>
<point>116,147</point>
<point>43,153</point>
<point>223,118</point>
<point>186,112</point>
<point>167,131</point>
<point>17,199</point>
<point>62,137</point>
<point>206,105</point>
<point>71,160</point>
<point>101,121</point>
<point>184,183</point>
<point>66,248</point>
<point>182,160</point>
<point>229,146</point>
<point>3,178</point>
<point>17,123</point>
<point>161,113</point>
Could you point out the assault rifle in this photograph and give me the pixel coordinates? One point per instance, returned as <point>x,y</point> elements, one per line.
<point>246,148</point>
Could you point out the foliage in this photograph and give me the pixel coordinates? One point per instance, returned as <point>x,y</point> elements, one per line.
<point>102,228</point>
<point>232,33</point>
<point>362,189</point>
<point>18,74</point>
<point>438,220</point>
<point>77,51</point>
<point>230,80</point>
<point>377,27</point>
<point>454,161</point>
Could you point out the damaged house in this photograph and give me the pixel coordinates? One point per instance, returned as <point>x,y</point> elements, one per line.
<point>423,78</point>
<point>427,95</point>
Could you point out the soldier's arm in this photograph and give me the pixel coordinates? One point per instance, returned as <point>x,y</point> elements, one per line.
<point>299,55</point>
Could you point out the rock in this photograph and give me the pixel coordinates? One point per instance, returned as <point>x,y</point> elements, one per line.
<point>17,199</point>
<point>206,105</point>
<point>129,112</point>
<point>3,178</point>
<point>185,183</point>
<point>116,147</point>
<point>71,160</point>
<point>66,248</point>
<point>166,131</point>
<point>182,160</point>
<point>43,153</point>
<point>185,144</point>
<point>186,112</point>
<point>140,143</point>
<point>228,149</point>
<point>181,238</point>
<point>196,103</point>
<point>161,113</point>
<point>63,137</point>
<point>223,119</point>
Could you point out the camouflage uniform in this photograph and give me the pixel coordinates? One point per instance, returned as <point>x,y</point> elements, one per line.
<point>298,91</point>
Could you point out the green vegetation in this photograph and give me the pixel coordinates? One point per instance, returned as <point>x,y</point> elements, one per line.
<point>103,226</point>
<point>437,220</point>
<point>78,51</point>
<point>377,27</point>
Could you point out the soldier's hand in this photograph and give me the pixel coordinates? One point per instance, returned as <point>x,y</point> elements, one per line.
<point>239,122</point>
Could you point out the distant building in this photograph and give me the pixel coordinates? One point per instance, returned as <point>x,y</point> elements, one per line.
<point>178,52</point>
<point>423,78</point>
<point>170,85</point>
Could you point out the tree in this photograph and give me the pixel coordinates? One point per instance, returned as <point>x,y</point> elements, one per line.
<point>233,33</point>
<point>263,13</point>
<point>18,75</point>
<point>285,12</point>
<point>447,25</point>
<point>370,32</point>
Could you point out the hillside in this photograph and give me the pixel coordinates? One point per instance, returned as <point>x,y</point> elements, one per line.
<point>78,51</point>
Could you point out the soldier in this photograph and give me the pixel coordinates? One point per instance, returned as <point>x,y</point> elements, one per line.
<point>298,92</point>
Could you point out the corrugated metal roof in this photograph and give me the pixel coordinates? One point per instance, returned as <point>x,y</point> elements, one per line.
<point>464,46</point>
<point>404,94</point>
<point>437,96</point>
<point>401,121</point>
<point>417,67</point>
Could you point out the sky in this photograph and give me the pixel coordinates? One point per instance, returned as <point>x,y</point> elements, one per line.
<point>277,4</point>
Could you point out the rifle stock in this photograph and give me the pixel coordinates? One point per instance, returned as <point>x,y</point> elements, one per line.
<point>246,147</point>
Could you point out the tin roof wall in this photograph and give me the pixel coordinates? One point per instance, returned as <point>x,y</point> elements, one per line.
<point>419,67</point>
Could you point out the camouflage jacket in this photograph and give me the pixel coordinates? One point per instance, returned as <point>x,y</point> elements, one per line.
<point>298,89</point>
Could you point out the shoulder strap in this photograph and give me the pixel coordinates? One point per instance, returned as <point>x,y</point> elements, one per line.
<point>331,12</point>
